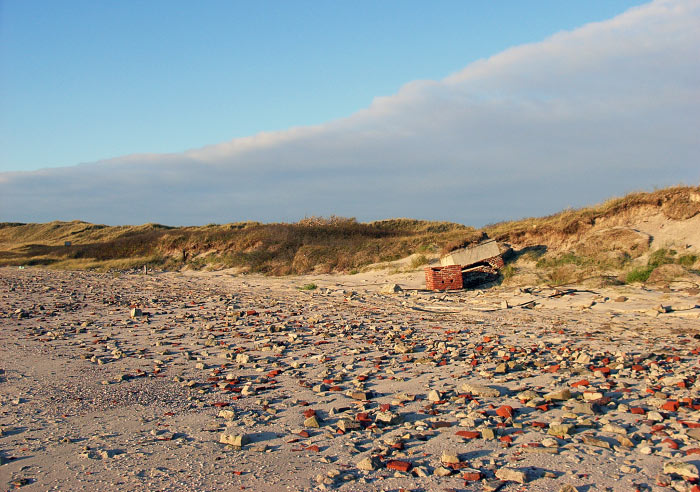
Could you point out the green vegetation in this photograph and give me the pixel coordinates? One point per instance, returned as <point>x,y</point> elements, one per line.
<point>508,271</point>
<point>687,260</point>
<point>565,259</point>
<point>308,287</point>
<point>659,257</point>
<point>638,274</point>
<point>418,261</point>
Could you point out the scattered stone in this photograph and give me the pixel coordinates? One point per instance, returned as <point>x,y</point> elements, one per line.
<point>358,395</point>
<point>568,488</point>
<point>434,395</point>
<point>347,425</point>
<point>236,440</point>
<point>488,433</point>
<point>449,457</point>
<point>492,485</point>
<point>686,470</point>
<point>586,408</point>
<point>368,464</point>
<point>617,392</point>
<point>560,430</point>
<point>442,471</point>
<point>420,471</point>
<point>391,289</point>
<point>558,395</point>
<point>388,418</point>
<point>227,414</point>
<point>594,441</point>
<point>480,390</point>
<point>511,475</point>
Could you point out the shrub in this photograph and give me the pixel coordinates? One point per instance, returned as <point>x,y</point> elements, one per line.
<point>565,259</point>
<point>661,257</point>
<point>639,274</point>
<point>687,260</point>
<point>419,261</point>
<point>308,287</point>
<point>508,271</point>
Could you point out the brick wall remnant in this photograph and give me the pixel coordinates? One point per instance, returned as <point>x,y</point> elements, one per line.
<point>444,277</point>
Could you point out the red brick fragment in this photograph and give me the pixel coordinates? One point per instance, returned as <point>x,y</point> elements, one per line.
<point>690,451</point>
<point>670,443</point>
<point>471,476</point>
<point>505,411</point>
<point>637,411</point>
<point>583,382</point>
<point>399,465</point>
<point>440,425</point>
<point>671,406</point>
<point>469,434</point>
<point>309,413</point>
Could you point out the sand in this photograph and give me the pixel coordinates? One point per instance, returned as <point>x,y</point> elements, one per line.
<point>129,381</point>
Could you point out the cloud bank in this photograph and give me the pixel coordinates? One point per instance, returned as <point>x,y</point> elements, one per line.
<point>605,109</point>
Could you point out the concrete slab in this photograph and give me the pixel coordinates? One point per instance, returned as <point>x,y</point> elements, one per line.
<point>472,254</point>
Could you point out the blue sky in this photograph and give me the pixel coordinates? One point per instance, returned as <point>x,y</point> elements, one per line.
<point>474,112</point>
<point>88,80</point>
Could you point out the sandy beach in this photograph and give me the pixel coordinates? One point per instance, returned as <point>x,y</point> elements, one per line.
<point>216,381</point>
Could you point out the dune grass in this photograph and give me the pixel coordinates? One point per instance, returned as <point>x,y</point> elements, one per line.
<point>315,244</point>
<point>338,244</point>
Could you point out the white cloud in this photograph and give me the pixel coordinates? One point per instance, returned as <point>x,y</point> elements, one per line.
<point>608,108</point>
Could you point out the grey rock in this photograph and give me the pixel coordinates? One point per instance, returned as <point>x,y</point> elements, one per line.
<point>587,408</point>
<point>391,289</point>
<point>683,469</point>
<point>449,458</point>
<point>594,441</point>
<point>442,471</point>
<point>511,475</point>
<point>236,440</point>
<point>368,464</point>
<point>560,429</point>
<point>558,395</point>
<point>480,390</point>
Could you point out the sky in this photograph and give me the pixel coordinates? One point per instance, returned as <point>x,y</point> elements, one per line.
<point>197,112</point>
